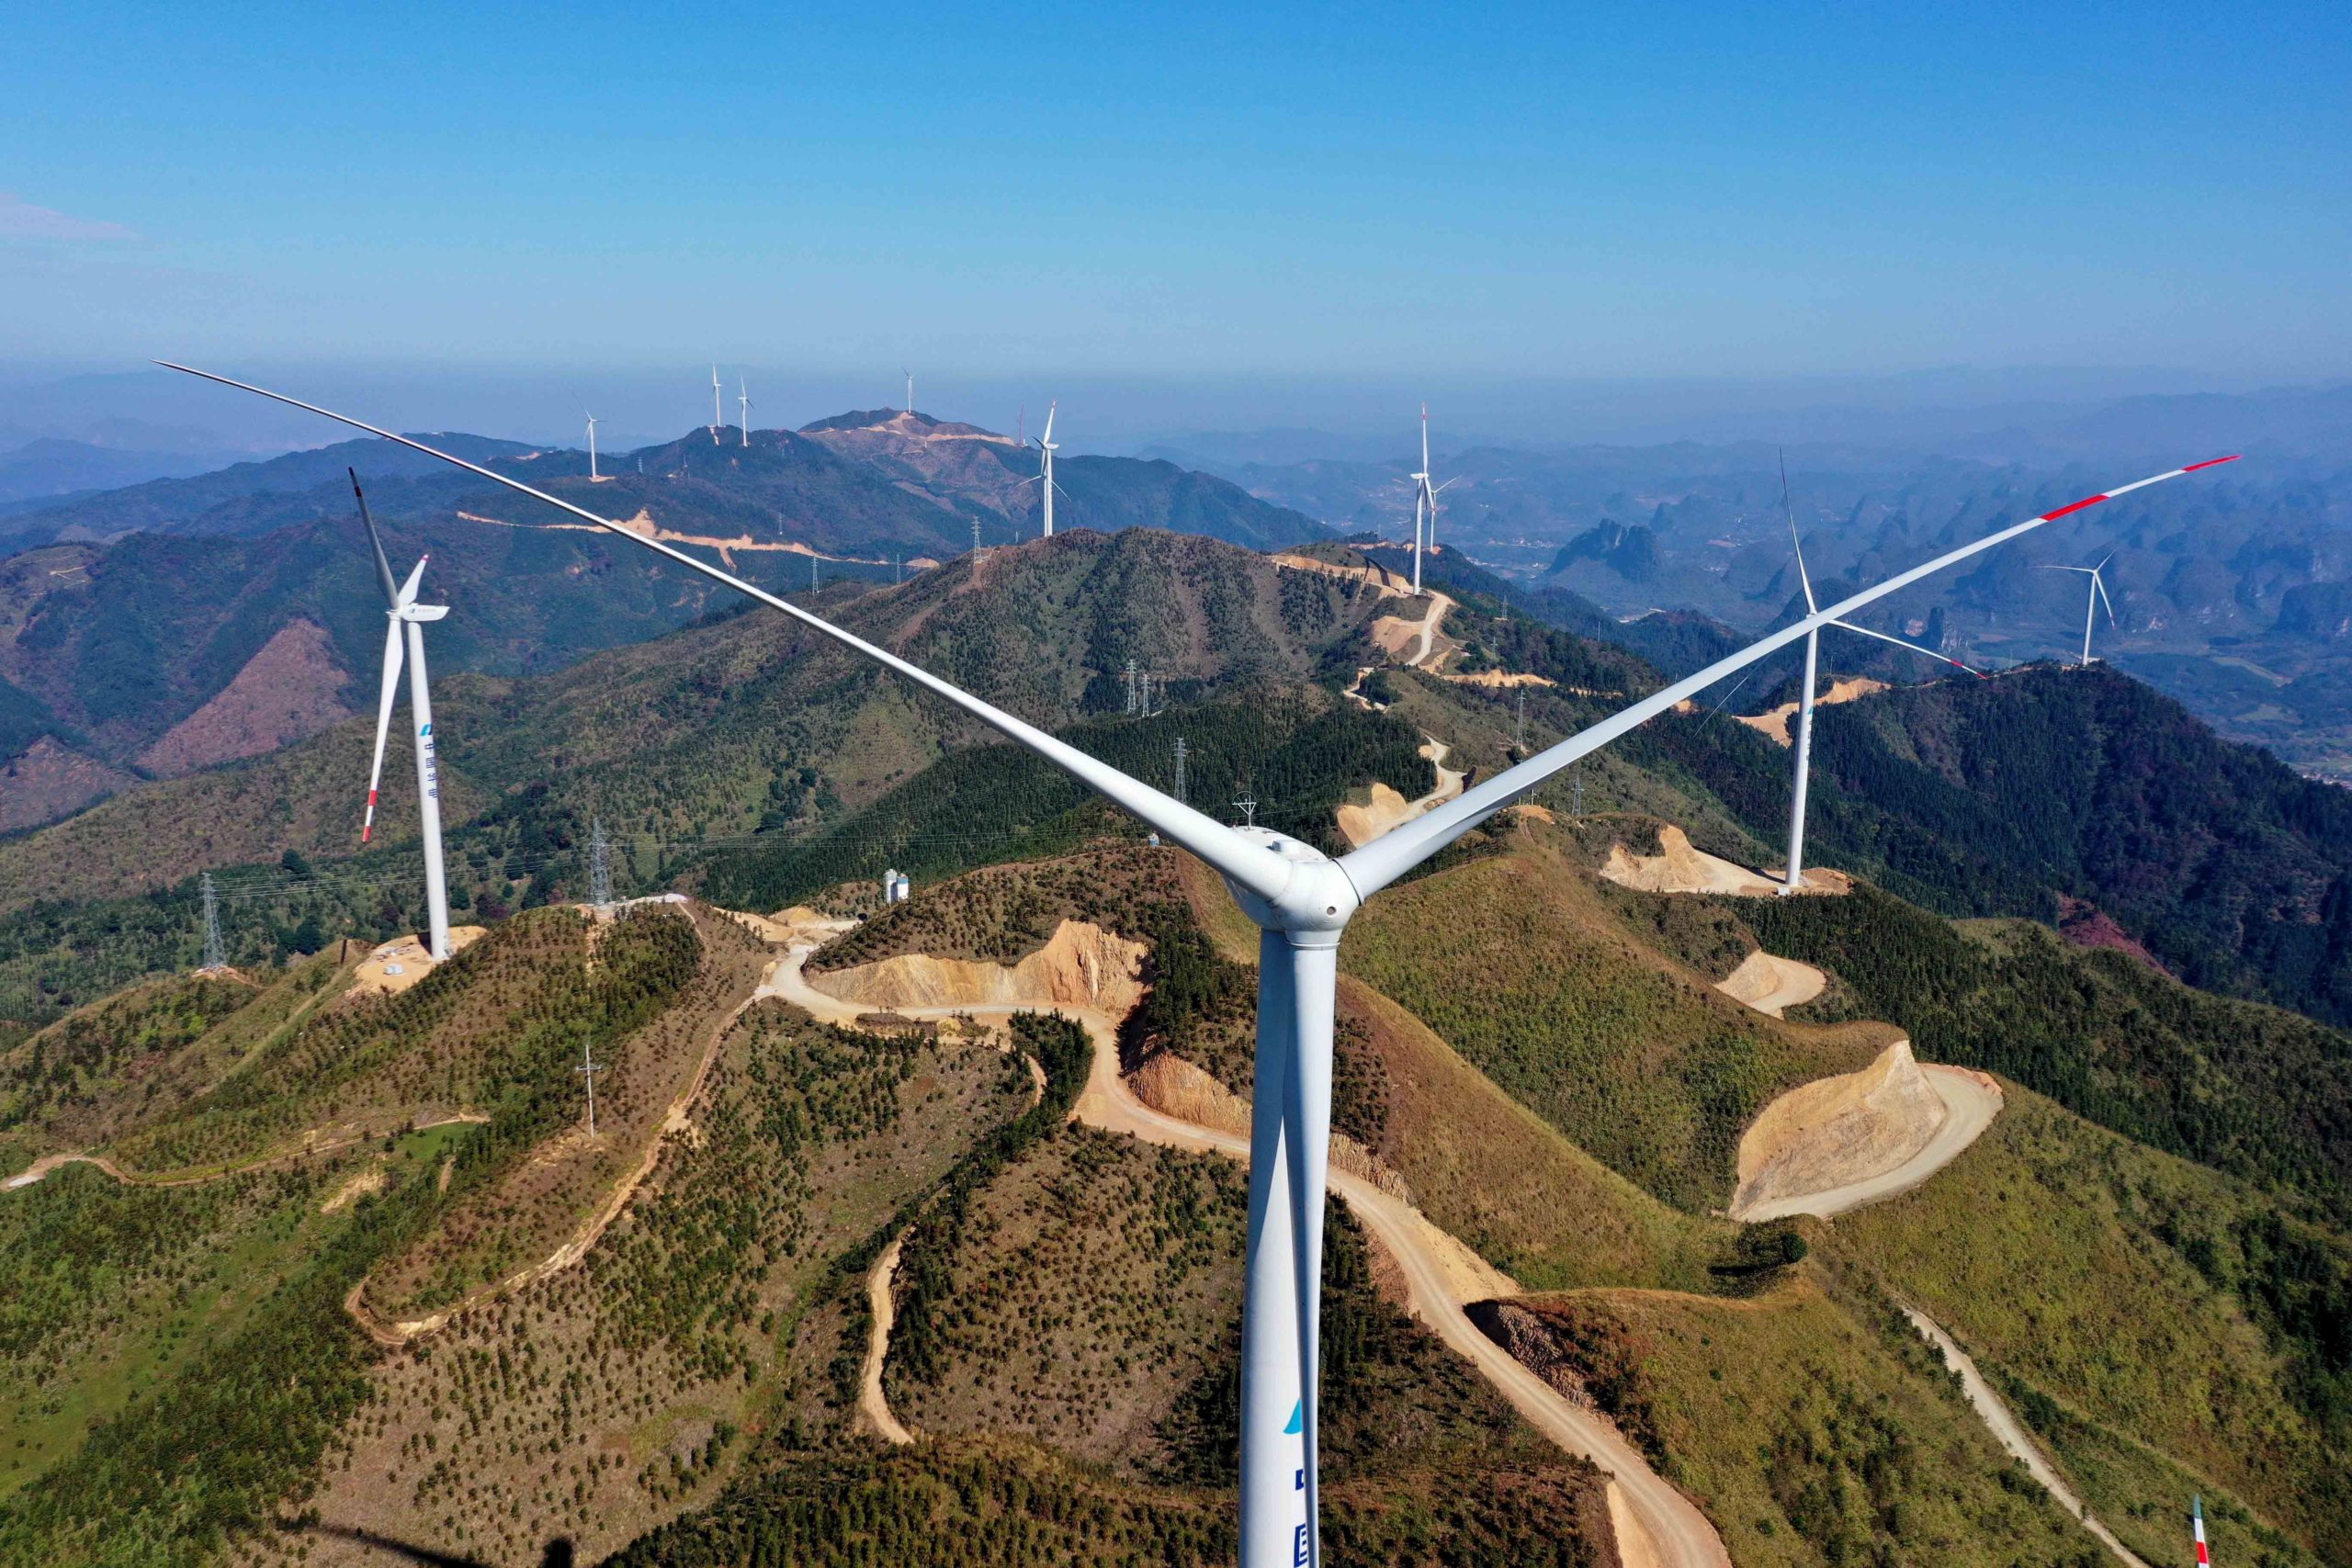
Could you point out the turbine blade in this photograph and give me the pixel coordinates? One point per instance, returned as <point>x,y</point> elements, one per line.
<point>392,640</point>
<point>1233,857</point>
<point>375,542</point>
<point>1803,576</point>
<point>1049,420</point>
<point>2099,584</point>
<point>1400,849</point>
<point>407,592</point>
<point>1922,652</point>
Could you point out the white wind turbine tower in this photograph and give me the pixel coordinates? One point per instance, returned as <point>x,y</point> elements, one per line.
<point>910,387</point>
<point>1424,499</point>
<point>1044,478</point>
<point>717,419</point>
<point>2099,597</point>
<point>1794,881</point>
<point>1301,900</point>
<point>407,618</point>
<point>594,477</point>
<point>743,401</point>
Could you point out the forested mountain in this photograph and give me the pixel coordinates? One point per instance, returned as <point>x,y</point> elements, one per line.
<point>1541,1060</point>
<point>239,613</point>
<point>742,724</point>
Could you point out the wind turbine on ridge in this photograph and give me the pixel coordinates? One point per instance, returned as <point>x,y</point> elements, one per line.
<point>2099,597</point>
<point>407,618</point>
<point>910,387</point>
<point>1301,900</point>
<point>1793,882</point>
<point>594,477</point>
<point>717,419</point>
<point>1044,478</point>
<point>743,401</point>
<point>1424,495</point>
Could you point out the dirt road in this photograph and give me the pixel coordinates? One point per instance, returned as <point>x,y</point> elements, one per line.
<point>1772,985</point>
<point>1362,824</point>
<point>1658,1524</point>
<point>676,1119</point>
<point>1971,1101</point>
<point>883,1312</point>
<point>2011,1436</point>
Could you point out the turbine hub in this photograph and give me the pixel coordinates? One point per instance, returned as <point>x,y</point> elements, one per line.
<point>1318,902</point>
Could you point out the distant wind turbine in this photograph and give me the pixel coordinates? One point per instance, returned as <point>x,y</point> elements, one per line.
<point>1044,478</point>
<point>407,619</point>
<point>1301,900</point>
<point>743,401</point>
<point>910,387</point>
<point>1794,881</point>
<point>592,475</point>
<point>717,419</point>
<point>1424,497</point>
<point>2098,598</point>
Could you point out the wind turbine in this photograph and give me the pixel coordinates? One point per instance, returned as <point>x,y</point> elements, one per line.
<point>910,387</point>
<point>1424,496</point>
<point>1044,478</point>
<point>1794,881</point>
<point>717,419</point>
<point>592,475</point>
<point>744,401</point>
<point>407,618</point>
<point>2099,597</point>
<point>1301,900</point>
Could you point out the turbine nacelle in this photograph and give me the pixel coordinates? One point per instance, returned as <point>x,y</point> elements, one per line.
<point>1317,901</point>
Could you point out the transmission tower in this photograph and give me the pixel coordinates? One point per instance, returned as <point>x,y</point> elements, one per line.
<point>600,866</point>
<point>1248,807</point>
<point>976,538</point>
<point>1576,790</point>
<point>1518,726</point>
<point>1131,686</point>
<point>589,1067</point>
<point>1179,771</point>
<point>216,957</point>
<point>812,571</point>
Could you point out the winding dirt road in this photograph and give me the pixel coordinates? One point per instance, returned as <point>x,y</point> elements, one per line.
<point>1656,1524</point>
<point>883,1313</point>
<point>2012,1435</point>
<point>1362,824</point>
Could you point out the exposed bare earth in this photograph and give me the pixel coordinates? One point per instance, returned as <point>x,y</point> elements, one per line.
<point>1839,1143</point>
<point>1681,866</point>
<point>287,692</point>
<point>1775,722</point>
<point>2012,1436</point>
<point>1362,824</point>
<point>51,780</point>
<point>1656,1524</point>
<point>402,962</point>
<point>883,1313</point>
<point>1772,985</point>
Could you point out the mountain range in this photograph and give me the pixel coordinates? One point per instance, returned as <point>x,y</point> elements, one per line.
<point>181,623</point>
<point>1536,1058</point>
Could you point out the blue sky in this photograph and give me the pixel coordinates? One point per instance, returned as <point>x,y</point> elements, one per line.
<point>1362,191</point>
